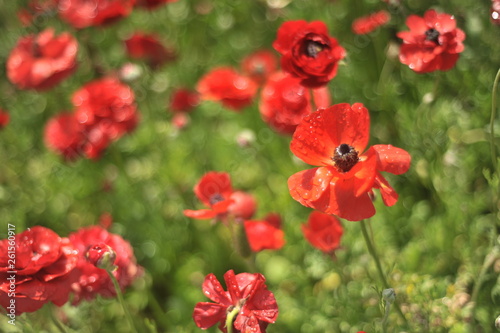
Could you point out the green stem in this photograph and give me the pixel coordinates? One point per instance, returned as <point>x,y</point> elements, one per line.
<point>380,271</point>
<point>230,319</point>
<point>386,316</point>
<point>56,322</point>
<point>492,120</point>
<point>122,302</point>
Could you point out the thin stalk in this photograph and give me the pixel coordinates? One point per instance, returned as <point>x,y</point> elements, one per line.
<point>492,120</point>
<point>230,319</point>
<point>56,322</point>
<point>386,316</point>
<point>122,302</point>
<point>380,271</point>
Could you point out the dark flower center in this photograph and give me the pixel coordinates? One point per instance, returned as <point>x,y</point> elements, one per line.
<point>217,197</point>
<point>345,157</point>
<point>432,35</point>
<point>313,48</point>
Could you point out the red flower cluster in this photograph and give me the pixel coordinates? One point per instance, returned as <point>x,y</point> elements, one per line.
<point>42,61</point>
<point>225,85</point>
<point>334,139</point>
<point>323,231</point>
<point>215,190</point>
<point>152,4</point>
<point>44,269</point>
<point>86,13</point>
<point>105,111</point>
<point>265,234</point>
<point>308,52</point>
<point>367,24</point>
<point>259,65</point>
<point>433,43</point>
<point>92,279</point>
<point>246,294</point>
<point>284,101</point>
<point>148,47</point>
<point>4,118</point>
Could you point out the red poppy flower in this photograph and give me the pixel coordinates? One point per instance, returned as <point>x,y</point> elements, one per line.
<point>225,85</point>
<point>148,47</point>
<point>266,234</point>
<point>259,65</point>
<point>64,135</point>
<point>247,294</point>
<point>86,13</point>
<point>184,100</point>
<point>4,118</point>
<point>433,42</point>
<point>152,4</point>
<point>367,24</point>
<point>323,231</point>
<point>308,52</point>
<point>42,61</point>
<point>106,109</point>
<point>94,280</point>
<point>284,102</point>
<point>334,139</point>
<point>44,269</point>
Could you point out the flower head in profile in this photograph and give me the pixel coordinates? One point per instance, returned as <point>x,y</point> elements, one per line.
<point>335,139</point>
<point>45,266</point>
<point>148,47</point>
<point>259,65</point>
<point>367,24</point>
<point>308,52</point>
<point>215,190</point>
<point>284,102</point>
<point>85,13</point>
<point>42,61</point>
<point>246,295</point>
<point>265,234</point>
<point>323,231</point>
<point>433,43</point>
<point>225,85</point>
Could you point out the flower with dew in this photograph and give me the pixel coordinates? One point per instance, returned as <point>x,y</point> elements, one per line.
<point>323,231</point>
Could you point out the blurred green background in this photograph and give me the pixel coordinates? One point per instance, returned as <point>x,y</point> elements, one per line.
<point>432,243</point>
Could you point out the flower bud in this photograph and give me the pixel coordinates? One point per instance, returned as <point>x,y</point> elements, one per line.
<point>389,295</point>
<point>102,256</point>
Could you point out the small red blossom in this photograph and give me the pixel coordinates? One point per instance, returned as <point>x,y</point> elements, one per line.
<point>106,109</point>
<point>225,85</point>
<point>259,65</point>
<point>265,234</point>
<point>323,231</point>
<point>246,293</point>
<point>148,47</point>
<point>45,266</point>
<point>85,13</point>
<point>367,24</point>
<point>4,118</point>
<point>41,61</point>
<point>183,100</point>
<point>433,43</point>
<point>334,139</point>
<point>152,4</point>
<point>308,52</point>
<point>94,280</point>
<point>102,256</point>
<point>64,135</point>
<point>284,101</point>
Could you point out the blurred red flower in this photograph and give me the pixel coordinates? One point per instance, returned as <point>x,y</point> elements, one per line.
<point>4,118</point>
<point>284,102</point>
<point>247,294</point>
<point>495,12</point>
<point>152,4</point>
<point>86,13</point>
<point>42,61</point>
<point>64,135</point>
<point>94,280</point>
<point>215,190</point>
<point>265,234</point>
<point>225,85</point>
<point>106,109</point>
<point>259,65</point>
<point>308,52</point>
<point>334,139</point>
<point>367,24</point>
<point>44,269</point>
<point>433,43</point>
<point>183,100</point>
<point>148,47</point>
<point>323,231</point>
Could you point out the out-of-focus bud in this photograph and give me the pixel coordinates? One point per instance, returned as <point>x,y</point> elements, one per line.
<point>389,295</point>
<point>102,256</point>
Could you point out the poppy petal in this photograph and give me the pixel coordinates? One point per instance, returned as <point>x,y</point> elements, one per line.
<point>392,159</point>
<point>206,314</point>
<point>389,195</point>
<point>309,185</point>
<point>213,290</point>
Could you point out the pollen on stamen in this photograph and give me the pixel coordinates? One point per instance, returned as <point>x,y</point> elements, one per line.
<point>345,157</point>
